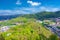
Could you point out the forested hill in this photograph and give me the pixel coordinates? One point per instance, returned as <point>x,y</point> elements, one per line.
<point>39,15</point>
<point>43,15</point>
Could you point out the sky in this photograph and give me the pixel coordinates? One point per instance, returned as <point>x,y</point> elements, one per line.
<point>8,7</point>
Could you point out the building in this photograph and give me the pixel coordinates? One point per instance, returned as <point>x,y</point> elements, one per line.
<point>57,20</point>
<point>4,28</point>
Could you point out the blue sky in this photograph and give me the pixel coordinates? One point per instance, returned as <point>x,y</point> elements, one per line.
<point>28,6</point>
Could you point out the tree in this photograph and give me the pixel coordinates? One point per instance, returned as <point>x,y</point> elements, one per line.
<point>1,37</point>
<point>53,37</point>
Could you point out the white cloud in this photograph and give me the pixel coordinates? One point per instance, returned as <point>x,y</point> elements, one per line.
<point>55,9</point>
<point>43,8</point>
<point>25,10</point>
<point>34,3</point>
<point>31,10</point>
<point>52,9</point>
<point>49,9</point>
<point>18,2</point>
<point>13,12</point>
<point>19,11</point>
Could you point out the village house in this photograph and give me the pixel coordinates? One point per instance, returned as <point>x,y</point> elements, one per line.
<point>4,28</point>
<point>58,21</point>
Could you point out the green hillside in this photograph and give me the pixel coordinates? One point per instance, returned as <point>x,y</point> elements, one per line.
<point>26,29</point>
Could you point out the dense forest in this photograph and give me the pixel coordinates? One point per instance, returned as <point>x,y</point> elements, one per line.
<point>43,15</point>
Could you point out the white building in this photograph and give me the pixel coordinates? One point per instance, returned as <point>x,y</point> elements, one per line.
<point>4,28</point>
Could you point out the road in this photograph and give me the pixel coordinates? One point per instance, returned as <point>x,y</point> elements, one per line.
<point>53,29</point>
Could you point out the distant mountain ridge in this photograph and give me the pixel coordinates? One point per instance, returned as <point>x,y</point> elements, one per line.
<point>43,15</point>
<point>8,17</point>
<point>39,15</point>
